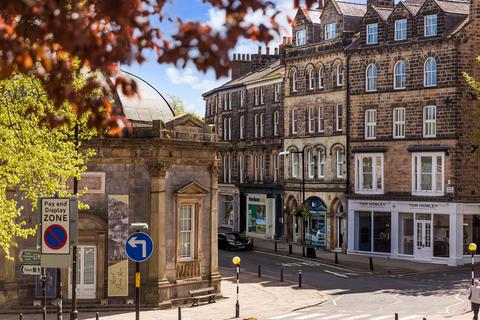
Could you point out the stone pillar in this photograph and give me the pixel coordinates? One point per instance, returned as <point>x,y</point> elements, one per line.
<point>8,282</point>
<point>394,229</point>
<point>157,263</point>
<point>456,237</point>
<point>215,276</point>
<point>351,230</point>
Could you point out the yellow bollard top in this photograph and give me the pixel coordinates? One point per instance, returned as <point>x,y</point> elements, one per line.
<point>472,247</point>
<point>236,261</point>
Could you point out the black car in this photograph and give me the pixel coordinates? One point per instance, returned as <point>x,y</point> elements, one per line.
<point>234,241</point>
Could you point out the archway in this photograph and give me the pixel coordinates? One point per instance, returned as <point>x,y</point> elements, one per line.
<point>293,223</point>
<point>316,223</point>
<point>339,225</point>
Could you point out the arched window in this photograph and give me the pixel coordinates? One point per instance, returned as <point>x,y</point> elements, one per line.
<point>400,75</point>
<point>339,75</point>
<point>311,79</point>
<point>310,164</point>
<point>430,74</point>
<point>340,158</point>
<point>293,81</point>
<point>321,78</point>
<point>371,78</point>
<point>321,163</point>
<point>294,163</point>
<point>242,126</point>
<point>276,122</point>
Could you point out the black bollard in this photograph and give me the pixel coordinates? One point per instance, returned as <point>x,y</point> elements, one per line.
<point>281,275</point>
<point>396,316</point>
<point>259,271</point>
<point>96,315</point>
<point>299,278</point>
<point>336,257</point>
<point>289,248</point>
<point>179,313</point>
<point>371,263</point>
<point>276,246</point>
<point>20,316</point>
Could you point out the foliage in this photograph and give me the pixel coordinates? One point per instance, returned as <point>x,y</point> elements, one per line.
<point>177,104</point>
<point>475,85</point>
<point>42,37</point>
<point>302,211</point>
<point>35,159</point>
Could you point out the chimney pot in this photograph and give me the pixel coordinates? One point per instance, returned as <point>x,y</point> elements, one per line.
<point>268,51</point>
<point>259,50</point>
<point>243,56</point>
<point>234,56</point>
<point>276,51</point>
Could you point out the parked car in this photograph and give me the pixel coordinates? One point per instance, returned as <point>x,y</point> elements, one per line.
<point>234,241</point>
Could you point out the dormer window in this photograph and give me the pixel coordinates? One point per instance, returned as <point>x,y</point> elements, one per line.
<point>400,29</point>
<point>301,37</point>
<point>430,24</point>
<point>372,33</point>
<point>330,31</point>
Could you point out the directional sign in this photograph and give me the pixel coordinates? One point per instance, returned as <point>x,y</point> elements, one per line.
<point>139,246</point>
<point>55,215</point>
<point>31,270</point>
<point>30,257</point>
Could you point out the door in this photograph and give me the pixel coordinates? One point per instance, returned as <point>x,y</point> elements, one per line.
<point>339,240</point>
<point>86,273</point>
<point>423,230</point>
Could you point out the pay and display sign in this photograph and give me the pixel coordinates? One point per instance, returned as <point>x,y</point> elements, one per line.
<point>55,215</point>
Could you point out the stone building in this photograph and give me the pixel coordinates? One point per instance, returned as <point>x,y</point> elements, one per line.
<point>164,174</point>
<point>247,113</point>
<point>413,169</point>
<point>316,122</point>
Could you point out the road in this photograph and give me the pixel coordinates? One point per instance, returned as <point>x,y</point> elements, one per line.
<point>359,295</point>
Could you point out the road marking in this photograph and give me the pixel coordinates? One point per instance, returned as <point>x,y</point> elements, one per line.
<point>335,316</point>
<point>336,274</point>
<point>410,317</point>
<point>382,317</point>
<point>283,316</point>
<point>308,316</point>
<point>447,309</point>
<point>337,298</point>
<point>360,316</point>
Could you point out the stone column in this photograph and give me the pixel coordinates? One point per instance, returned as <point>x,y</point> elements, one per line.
<point>157,263</point>
<point>394,229</point>
<point>7,279</point>
<point>214,169</point>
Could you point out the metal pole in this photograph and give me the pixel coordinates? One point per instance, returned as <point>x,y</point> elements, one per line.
<point>59,295</point>
<point>179,313</point>
<point>299,278</point>
<point>137,290</point>
<point>237,305</point>
<point>96,316</point>
<point>303,201</point>
<point>281,275</point>
<point>473,271</point>
<point>259,271</point>
<point>74,312</point>
<point>43,279</point>
<point>20,316</point>
<point>396,316</point>
<point>371,263</point>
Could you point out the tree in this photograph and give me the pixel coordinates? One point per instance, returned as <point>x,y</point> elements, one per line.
<point>35,159</point>
<point>43,36</point>
<point>177,104</point>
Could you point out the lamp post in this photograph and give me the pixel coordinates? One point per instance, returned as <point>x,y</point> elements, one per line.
<point>286,153</point>
<point>472,247</point>
<point>236,262</point>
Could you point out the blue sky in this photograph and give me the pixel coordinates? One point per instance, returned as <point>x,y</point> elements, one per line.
<point>188,83</point>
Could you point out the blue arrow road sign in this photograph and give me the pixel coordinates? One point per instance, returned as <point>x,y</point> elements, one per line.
<point>139,246</point>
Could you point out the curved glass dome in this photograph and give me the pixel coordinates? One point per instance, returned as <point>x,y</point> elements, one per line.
<point>150,106</point>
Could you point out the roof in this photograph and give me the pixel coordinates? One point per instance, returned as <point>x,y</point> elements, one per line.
<point>313,15</point>
<point>412,7</point>
<point>384,13</point>
<point>352,9</point>
<point>458,7</point>
<point>149,105</point>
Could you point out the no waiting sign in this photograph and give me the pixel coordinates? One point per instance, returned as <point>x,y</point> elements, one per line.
<point>55,225</point>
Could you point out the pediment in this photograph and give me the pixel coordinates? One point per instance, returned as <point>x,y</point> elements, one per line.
<point>193,188</point>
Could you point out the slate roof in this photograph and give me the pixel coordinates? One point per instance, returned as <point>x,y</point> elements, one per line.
<point>412,7</point>
<point>352,9</point>
<point>384,13</point>
<point>459,7</point>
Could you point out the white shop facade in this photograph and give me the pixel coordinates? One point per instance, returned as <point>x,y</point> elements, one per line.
<point>435,232</point>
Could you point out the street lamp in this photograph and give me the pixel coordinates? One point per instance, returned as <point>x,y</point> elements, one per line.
<point>236,262</point>
<point>286,153</point>
<point>472,247</point>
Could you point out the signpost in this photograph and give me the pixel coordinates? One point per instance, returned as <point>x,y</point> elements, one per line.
<point>30,257</point>
<point>31,270</point>
<point>139,247</point>
<point>55,225</point>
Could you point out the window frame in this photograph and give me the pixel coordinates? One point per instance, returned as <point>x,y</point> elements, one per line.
<point>339,164</point>
<point>294,81</point>
<point>398,123</point>
<point>416,173</point>
<point>432,123</point>
<point>321,78</point>
<point>276,122</point>
<point>332,33</point>
<point>311,79</point>
<point>293,119</point>
<point>339,72</point>
<point>192,232</point>
<point>241,167</point>
<point>373,34</point>
<point>256,94</point>
<point>262,126</point>
<point>359,173</point>
<point>426,72</point>
<point>404,75</point>
<point>256,125</point>
<point>402,30</point>
<point>303,38</point>
<point>321,119</point>
<point>276,92</point>
<point>370,124</point>
<point>262,95</point>
<point>374,78</point>
<point>276,168</point>
<point>321,159</point>
<point>242,98</point>
<point>311,120</point>
<point>294,163</point>
<point>338,118</point>
<point>426,25</point>
<point>242,127</point>
<point>310,164</point>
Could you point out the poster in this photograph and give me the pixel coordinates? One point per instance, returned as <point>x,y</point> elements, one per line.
<point>257,211</point>
<point>117,236</point>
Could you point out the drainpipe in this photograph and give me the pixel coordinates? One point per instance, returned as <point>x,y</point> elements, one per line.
<point>347,142</point>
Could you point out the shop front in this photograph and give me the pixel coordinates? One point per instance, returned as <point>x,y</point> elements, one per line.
<point>430,232</point>
<point>228,208</point>
<point>316,223</point>
<point>260,216</point>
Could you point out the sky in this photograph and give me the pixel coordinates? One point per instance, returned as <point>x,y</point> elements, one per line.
<point>188,83</point>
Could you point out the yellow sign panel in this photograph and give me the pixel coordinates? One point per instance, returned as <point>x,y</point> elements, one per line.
<point>137,280</point>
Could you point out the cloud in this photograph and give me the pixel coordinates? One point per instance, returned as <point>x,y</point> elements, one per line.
<point>191,78</point>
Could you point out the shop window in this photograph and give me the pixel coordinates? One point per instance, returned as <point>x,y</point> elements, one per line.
<point>373,231</point>
<point>257,210</point>
<point>471,231</point>
<point>316,233</point>
<point>364,231</point>
<point>227,218</point>
<point>441,235</point>
<point>381,232</point>
<point>405,233</point>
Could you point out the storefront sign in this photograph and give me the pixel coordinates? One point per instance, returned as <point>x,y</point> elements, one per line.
<point>423,206</point>
<point>372,204</point>
<point>117,237</point>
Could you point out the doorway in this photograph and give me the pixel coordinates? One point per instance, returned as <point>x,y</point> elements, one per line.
<point>86,273</point>
<point>339,233</point>
<point>423,236</point>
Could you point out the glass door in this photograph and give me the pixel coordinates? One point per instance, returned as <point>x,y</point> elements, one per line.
<point>86,273</point>
<point>423,236</point>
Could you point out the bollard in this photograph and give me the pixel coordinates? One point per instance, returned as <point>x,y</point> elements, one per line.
<point>396,316</point>
<point>96,315</point>
<point>289,248</point>
<point>276,246</point>
<point>336,257</point>
<point>281,275</point>
<point>259,271</point>
<point>299,278</point>
<point>20,316</point>
<point>371,263</point>
<point>179,313</point>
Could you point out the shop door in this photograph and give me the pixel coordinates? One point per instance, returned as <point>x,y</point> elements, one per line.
<point>339,233</point>
<point>423,248</point>
<point>86,273</point>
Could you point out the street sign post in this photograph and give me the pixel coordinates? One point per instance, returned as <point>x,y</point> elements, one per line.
<point>55,215</point>
<point>31,270</point>
<point>30,257</point>
<point>139,247</point>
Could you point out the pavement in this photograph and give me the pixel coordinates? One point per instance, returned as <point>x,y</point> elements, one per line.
<point>355,262</point>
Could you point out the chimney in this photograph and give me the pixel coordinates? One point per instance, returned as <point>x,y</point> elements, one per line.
<point>243,56</point>
<point>268,51</point>
<point>234,56</point>
<point>381,3</point>
<point>259,50</point>
<point>276,51</point>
